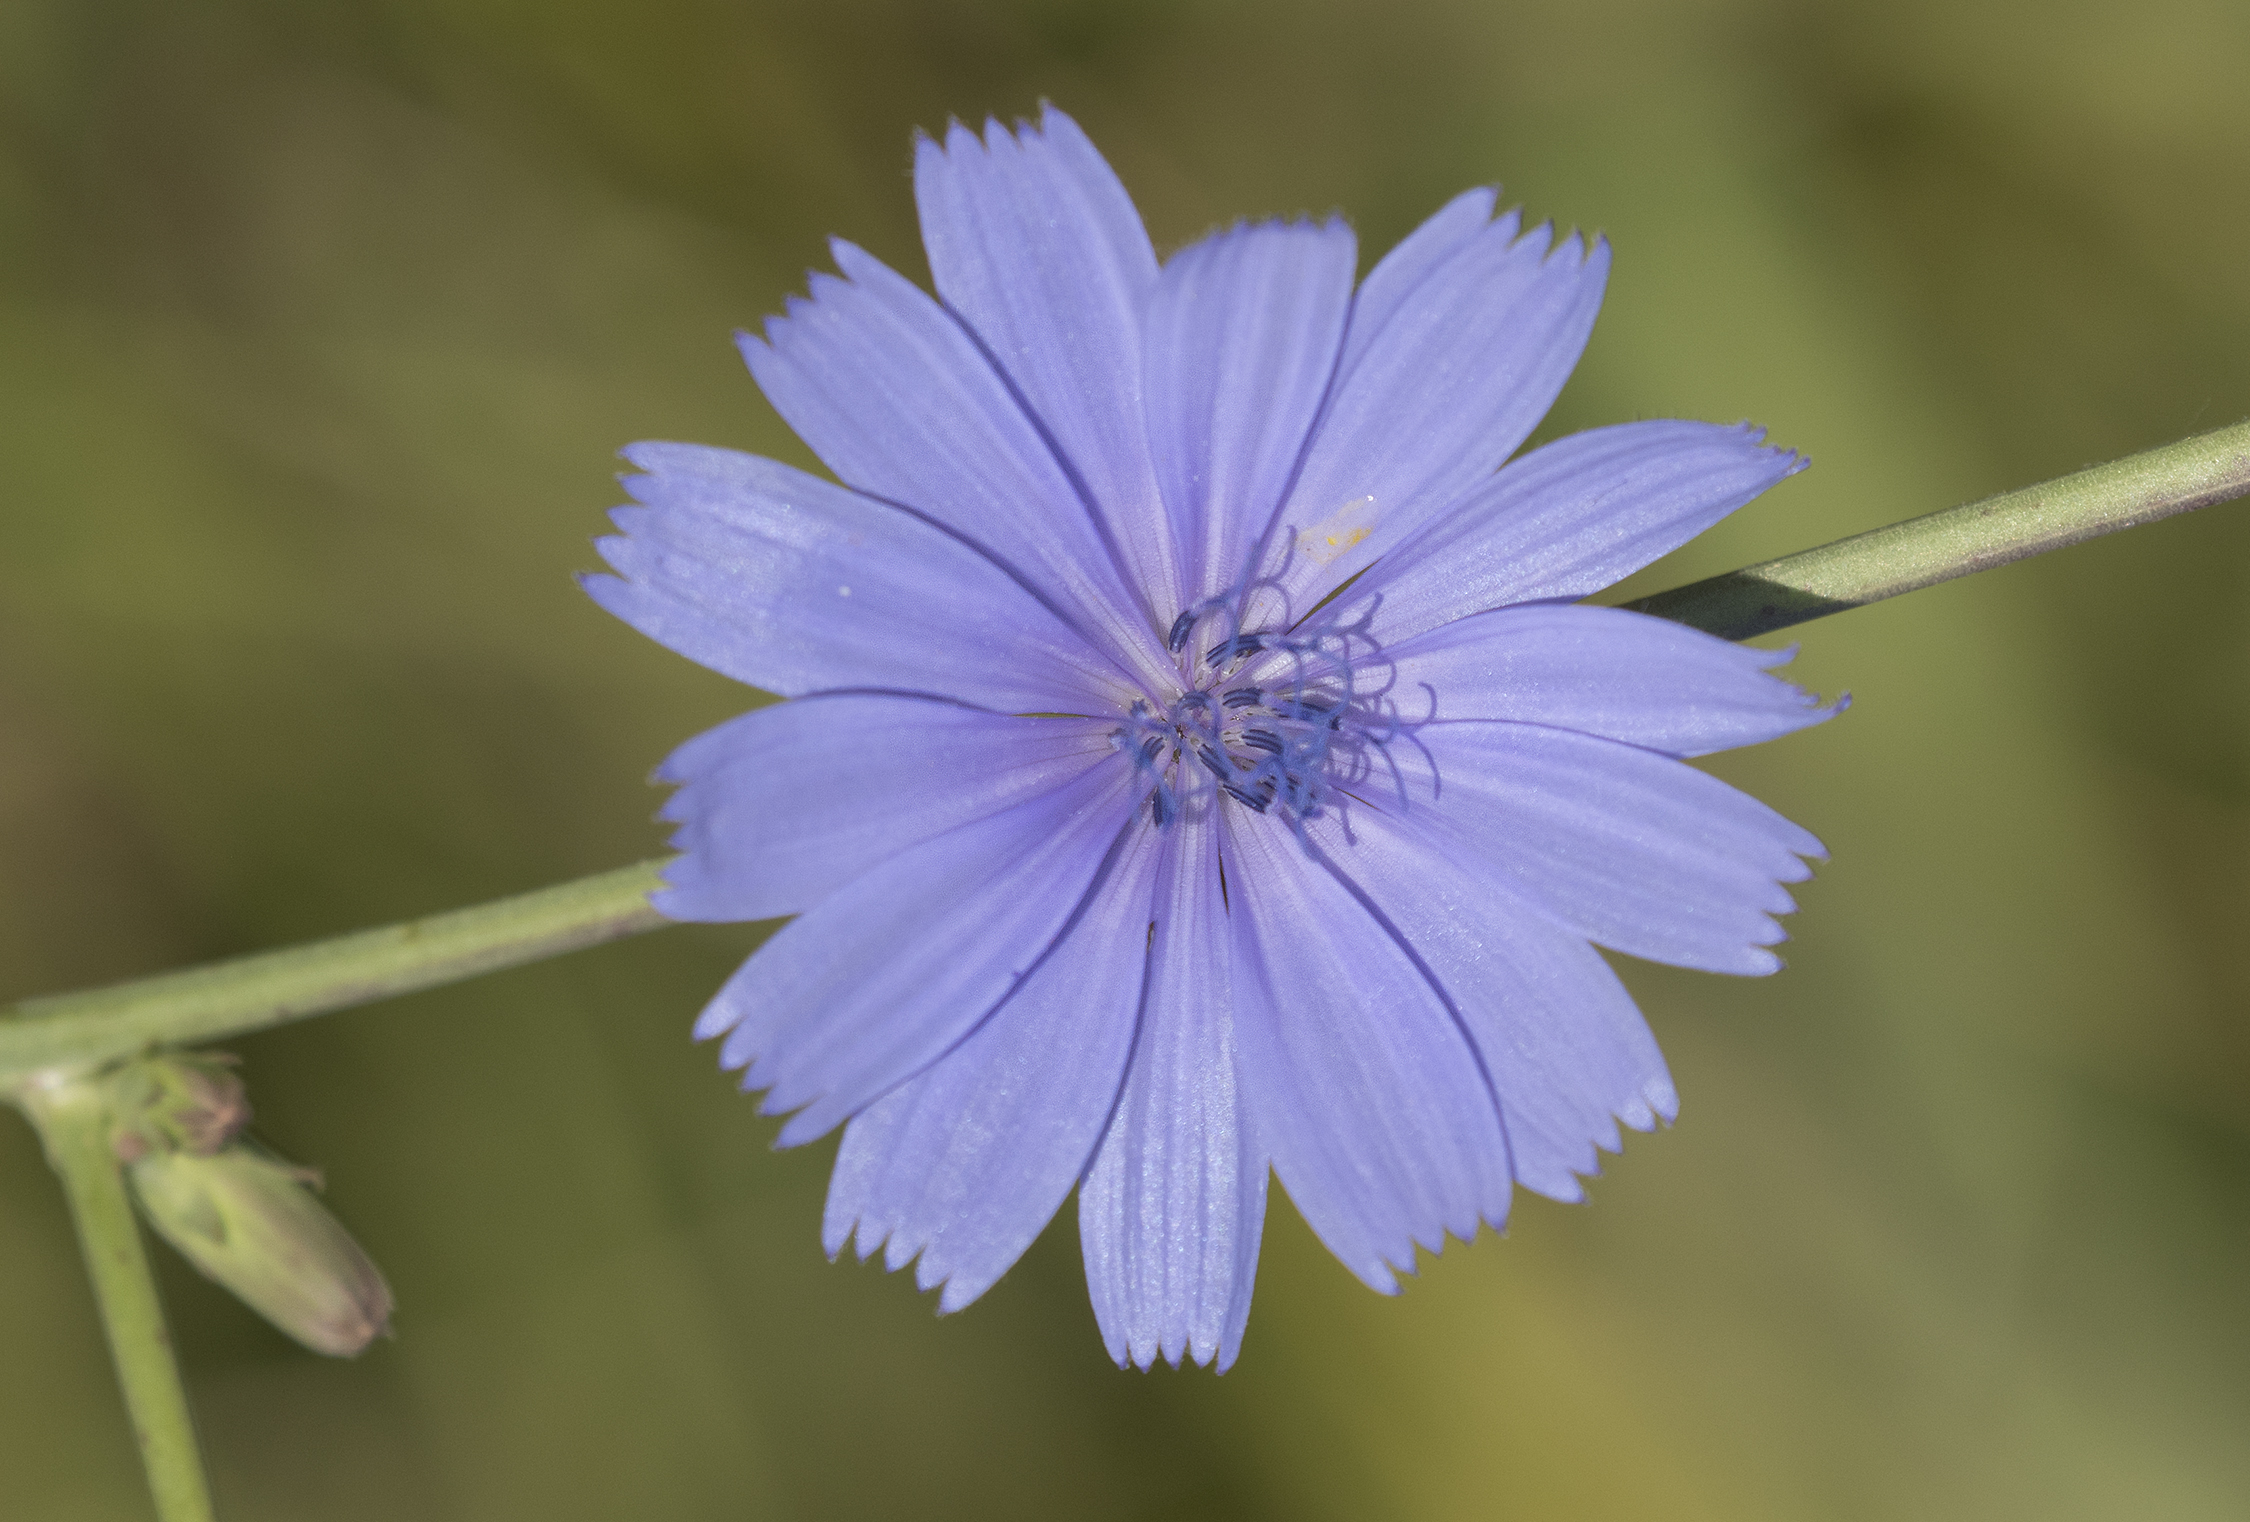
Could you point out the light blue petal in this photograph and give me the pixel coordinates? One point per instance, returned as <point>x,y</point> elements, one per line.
<point>895,396</point>
<point>1397,275</point>
<point>1629,848</point>
<point>965,1164</point>
<point>1171,1210</point>
<point>1573,517</point>
<point>887,973</point>
<point>1035,244</point>
<point>788,583</point>
<point>1602,671</point>
<point>1242,337</point>
<point>781,807</point>
<point>1362,1082</point>
<point>1560,1038</point>
<point>1433,395</point>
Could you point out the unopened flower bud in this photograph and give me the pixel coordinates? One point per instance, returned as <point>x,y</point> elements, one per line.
<point>248,1220</point>
<point>178,1102</point>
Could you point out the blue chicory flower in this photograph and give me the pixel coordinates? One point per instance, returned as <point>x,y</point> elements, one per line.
<point>1198,759</point>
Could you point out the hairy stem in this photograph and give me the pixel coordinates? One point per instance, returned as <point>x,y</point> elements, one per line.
<point>73,1119</point>
<point>70,1031</point>
<point>1921,552</point>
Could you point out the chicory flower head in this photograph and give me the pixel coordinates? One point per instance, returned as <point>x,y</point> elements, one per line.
<point>1197,758</point>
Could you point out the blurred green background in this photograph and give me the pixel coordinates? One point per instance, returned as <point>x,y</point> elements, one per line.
<point>318,328</point>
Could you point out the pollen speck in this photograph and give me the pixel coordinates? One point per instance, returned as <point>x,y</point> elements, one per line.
<point>1327,540</point>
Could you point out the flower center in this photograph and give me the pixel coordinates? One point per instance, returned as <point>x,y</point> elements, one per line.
<point>1266,719</point>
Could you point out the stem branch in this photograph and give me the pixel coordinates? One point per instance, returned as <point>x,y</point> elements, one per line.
<point>1921,552</point>
<point>73,1120</point>
<point>68,1031</point>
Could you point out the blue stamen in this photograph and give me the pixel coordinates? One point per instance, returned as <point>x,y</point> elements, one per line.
<point>1248,799</point>
<point>1241,644</point>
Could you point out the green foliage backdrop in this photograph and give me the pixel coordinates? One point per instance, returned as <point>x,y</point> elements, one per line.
<point>318,326</point>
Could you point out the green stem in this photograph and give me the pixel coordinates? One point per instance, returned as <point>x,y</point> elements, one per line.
<point>1921,552</point>
<point>72,1031</point>
<point>69,1031</point>
<point>73,1119</point>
